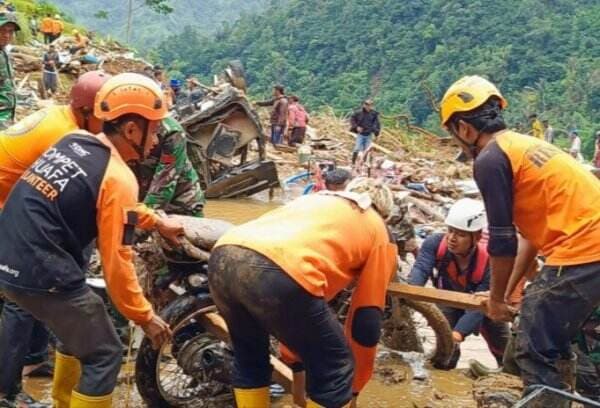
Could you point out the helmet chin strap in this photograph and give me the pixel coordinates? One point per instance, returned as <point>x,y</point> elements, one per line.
<point>139,148</point>
<point>471,146</point>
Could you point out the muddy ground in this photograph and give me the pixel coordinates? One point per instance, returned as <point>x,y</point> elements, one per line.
<point>393,384</point>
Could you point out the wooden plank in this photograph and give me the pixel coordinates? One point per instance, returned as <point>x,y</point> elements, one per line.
<point>282,374</point>
<point>440,296</point>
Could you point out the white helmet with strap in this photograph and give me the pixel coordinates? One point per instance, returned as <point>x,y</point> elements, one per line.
<point>467,215</point>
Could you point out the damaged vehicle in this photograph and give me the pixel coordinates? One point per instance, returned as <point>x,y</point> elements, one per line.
<point>226,140</point>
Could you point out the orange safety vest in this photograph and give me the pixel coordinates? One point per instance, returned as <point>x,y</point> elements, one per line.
<point>25,141</point>
<point>46,25</point>
<point>443,262</point>
<point>57,27</point>
<point>556,200</point>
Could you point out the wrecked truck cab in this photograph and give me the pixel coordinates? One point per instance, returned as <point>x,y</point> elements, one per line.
<point>227,145</point>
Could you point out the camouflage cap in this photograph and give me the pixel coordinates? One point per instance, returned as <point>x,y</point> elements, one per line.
<point>9,18</point>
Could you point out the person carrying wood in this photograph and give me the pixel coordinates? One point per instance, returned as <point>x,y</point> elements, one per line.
<point>20,146</point>
<point>457,261</point>
<point>530,185</point>
<point>286,266</point>
<point>79,191</point>
<point>8,96</point>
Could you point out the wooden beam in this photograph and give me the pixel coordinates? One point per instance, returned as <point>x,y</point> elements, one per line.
<point>214,323</point>
<point>440,296</point>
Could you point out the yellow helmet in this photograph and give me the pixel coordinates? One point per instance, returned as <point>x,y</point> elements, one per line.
<point>382,198</point>
<point>466,94</point>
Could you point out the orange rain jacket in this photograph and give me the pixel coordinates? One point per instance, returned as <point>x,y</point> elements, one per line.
<point>25,141</point>
<point>325,243</point>
<point>77,191</point>
<point>552,199</point>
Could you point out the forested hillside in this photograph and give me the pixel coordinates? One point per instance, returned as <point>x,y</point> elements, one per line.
<point>544,54</point>
<point>149,27</point>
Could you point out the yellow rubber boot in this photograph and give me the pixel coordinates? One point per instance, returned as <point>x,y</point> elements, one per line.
<point>67,371</point>
<point>252,397</point>
<point>85,401</point>
<point>312,404</point>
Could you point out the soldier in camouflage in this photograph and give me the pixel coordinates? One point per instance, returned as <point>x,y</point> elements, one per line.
<point>168,181</point>
<point>8,98</point>
<point>402,228</point>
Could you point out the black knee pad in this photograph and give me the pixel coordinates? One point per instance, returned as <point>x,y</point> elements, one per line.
<point>366,326</point>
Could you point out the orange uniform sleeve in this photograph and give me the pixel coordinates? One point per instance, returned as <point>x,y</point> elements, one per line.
<point>368,301</point>
<point>147,218</point>
<point>115,224</point>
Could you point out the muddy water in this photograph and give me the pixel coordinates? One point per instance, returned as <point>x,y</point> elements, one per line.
<point>391,386</point>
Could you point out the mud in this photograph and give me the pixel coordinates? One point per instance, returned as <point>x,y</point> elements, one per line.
<point>393,384</point>
<point>497,391</point>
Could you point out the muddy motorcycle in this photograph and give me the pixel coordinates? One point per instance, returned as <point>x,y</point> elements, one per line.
<point>194,369</point>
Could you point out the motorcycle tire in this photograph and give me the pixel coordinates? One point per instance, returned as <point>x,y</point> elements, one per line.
<point>436,321</point>
<point>147,358</point>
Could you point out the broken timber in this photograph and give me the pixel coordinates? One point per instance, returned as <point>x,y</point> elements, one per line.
<point>440,296</point>
<point>215,324</point>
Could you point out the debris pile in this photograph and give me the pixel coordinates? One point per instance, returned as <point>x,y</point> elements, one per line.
<point>27,63</point>
<point>418,163</point>
<point>497,391</point>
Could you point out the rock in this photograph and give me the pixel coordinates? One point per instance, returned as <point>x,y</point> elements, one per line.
<point>391,375</point>
<point>497,391</point>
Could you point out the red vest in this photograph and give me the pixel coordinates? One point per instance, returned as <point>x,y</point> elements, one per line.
<point>476,277</point>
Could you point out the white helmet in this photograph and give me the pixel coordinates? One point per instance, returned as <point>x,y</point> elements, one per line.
<point>467,215</point>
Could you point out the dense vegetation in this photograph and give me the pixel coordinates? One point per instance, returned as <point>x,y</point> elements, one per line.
<point>152,20</point>
<point>543,54</point>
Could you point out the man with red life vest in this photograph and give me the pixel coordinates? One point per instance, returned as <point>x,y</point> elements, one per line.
<point>530,185</point>
<point>286,266</point>
<point>457,261</point>
<point>78,191</point>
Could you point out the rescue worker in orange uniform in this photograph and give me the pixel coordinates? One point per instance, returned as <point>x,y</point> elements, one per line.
<point>20,146</point>
<point>286,266</point>
<point>46,28</point>
<point>530,185</point>
<point>459,262</point>
<point>79,190</point>
<point>22,143</point>
<point>57,28</point>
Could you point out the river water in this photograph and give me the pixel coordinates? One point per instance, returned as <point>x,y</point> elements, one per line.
<point>391,386</point>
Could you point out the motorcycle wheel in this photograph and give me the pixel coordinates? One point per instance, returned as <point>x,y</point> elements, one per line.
<point>160,379</point>
<point>418,326</point>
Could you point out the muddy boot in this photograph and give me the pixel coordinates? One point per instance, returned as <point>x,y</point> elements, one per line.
<point>86,401</point>
<point>67,371</point>
<point>478,369</point>
<point>354,156</point>
<point>252,397</point>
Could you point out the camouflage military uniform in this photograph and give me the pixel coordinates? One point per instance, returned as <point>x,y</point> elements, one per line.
<point>8,97</point>
<point>168,181</point>
<point>402,228</point>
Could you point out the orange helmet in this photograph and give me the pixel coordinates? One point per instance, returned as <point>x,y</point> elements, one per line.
<point>130,94</point>
<point>85,89</point>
